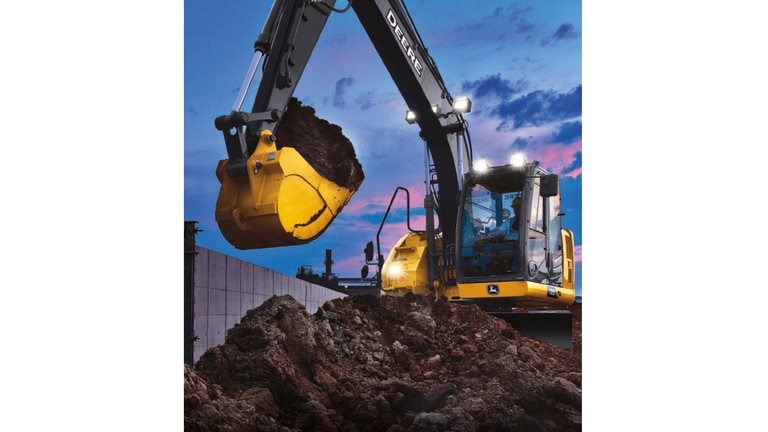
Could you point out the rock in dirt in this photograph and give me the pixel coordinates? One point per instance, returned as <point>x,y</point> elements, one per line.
<point>368,363</point>
<point>321,143</point>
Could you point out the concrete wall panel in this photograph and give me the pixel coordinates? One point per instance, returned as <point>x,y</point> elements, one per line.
<point>246,279</point>
<point>232,270</point>
<point>246,302</point>
<point>233,302</point>
<point>217,270</point>
<point>217,328</point>
<point>225,288</point>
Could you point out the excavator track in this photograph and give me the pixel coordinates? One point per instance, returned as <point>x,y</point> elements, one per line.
<point>552,326</point>
<point>548,322</point>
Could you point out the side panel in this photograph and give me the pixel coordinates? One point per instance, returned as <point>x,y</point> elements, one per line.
<point>515,289</point>
<point>405,269</point>
<point>569,272</point>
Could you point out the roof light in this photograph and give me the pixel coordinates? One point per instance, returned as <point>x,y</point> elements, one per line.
<point>410,117</point>
<point>481,165</point>
<point>518,159</point>
<point>462,105</point>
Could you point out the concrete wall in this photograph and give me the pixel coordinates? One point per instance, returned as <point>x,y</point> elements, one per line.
<point>225,288</point>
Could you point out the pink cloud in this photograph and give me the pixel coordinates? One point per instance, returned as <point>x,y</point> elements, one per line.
<point>349,267</point>
<point>558,157</point>
<point>573,173</point>
<point>371,201</point>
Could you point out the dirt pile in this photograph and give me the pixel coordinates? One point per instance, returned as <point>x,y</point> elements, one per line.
<point>321,143</point>
<point>367,363</point>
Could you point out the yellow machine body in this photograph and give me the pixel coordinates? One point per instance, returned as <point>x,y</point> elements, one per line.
<point>517,289</point>
<point>405,270</point>
<point>569,273</point>
<point>282,201</point>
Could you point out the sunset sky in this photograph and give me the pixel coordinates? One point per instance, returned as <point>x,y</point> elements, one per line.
<point>520,63</point>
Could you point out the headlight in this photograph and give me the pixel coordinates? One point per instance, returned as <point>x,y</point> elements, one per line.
<point>394,270</point>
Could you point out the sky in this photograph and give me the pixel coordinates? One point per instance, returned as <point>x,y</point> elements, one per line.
<point>520,63</point>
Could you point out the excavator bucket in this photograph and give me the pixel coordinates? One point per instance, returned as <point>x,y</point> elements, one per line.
<point>281,201</point>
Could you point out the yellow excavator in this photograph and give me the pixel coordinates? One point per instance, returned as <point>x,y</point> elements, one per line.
<point>478,252</point>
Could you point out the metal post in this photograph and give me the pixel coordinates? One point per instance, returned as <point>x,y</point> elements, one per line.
<point>328,264</point>
<point>189,291</point>
<point>429,209</point>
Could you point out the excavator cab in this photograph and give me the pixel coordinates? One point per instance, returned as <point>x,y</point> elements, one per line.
<point>511,233</point>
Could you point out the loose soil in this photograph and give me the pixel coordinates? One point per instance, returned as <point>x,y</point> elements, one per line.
<point>369,363</point>
<point>321,143</point>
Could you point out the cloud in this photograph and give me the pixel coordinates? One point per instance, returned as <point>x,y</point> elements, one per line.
<point>539,107</point>
<point>341,88</point>
<point>479,29</point>
<point>366,100</point>
<point>525,29</point>
<point>565,31</point>
<point>576,172</point>
<point>514,13</point>
<point>569,132</point>
<point>560,158</point>
<point>520,142</point>
<point>574,169</point>
<point>494,85</point>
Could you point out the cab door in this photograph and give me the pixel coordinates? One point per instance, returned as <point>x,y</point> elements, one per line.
<point>544,240</point>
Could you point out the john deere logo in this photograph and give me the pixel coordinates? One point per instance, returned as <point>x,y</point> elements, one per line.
<point>492,289</point>
<point>552,292</point>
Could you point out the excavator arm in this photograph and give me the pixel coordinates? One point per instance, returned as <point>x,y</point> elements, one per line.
<point>285,43</point>
<point>270,196</point>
